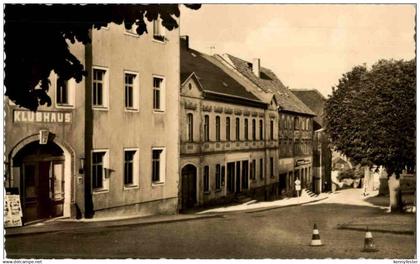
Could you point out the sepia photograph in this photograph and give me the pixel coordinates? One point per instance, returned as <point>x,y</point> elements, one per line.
<point>212,131</point>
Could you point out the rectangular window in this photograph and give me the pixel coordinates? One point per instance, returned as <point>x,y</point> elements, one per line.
<point>62,92</point>
<point>131,91</point>
<point>217,128</point>
<point>261,169</point>
<point>261,130</point>
<point>190,127</point>
<point>227,128</point>
<point>254,132</point>
<point>158,165</point>
<point>218,178</point>
<point>206,184</point>
<point>246,128</point>
<point>100,88</point>
<point>206,128</point>
<point>158,30</point>
<point>158,94</point>
<point>128,167</point>
<point>238,129</point>
<point>271,129</point>
<point>271,167</point>
<point>100,174</point>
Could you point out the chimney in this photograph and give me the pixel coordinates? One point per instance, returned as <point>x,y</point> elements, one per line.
<point>185,42</point>
<point>256,67</point>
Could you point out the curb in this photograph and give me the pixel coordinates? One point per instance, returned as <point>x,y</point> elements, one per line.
<point>284,206</point>
<point>85,227</point>
<point>398,232</point>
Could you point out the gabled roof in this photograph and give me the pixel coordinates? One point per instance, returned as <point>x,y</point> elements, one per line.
<point>211,77</point>
<point>314,100</point>
<point>269,82</point>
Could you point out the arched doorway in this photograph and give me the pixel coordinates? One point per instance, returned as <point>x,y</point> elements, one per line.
<point>42,180</point>
<point>189,186</point>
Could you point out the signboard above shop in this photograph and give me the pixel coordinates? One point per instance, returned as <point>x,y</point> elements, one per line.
<point>23,116</point>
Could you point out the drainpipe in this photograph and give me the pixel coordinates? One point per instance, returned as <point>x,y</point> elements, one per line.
<point>89,212</point>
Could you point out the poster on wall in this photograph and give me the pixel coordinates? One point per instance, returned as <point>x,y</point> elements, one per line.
<point>12,211</point>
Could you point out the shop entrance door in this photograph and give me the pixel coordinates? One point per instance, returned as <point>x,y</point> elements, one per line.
<point>189,186</point>
<point>43,190</point>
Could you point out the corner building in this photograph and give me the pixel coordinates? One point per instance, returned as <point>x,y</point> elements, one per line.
<point>112,138</point>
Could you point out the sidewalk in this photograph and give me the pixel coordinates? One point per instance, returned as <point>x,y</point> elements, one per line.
<point>254,206</point>
<point>56,225</point>
<point>63,224</point>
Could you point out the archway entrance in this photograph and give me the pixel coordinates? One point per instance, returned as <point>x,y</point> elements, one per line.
<point>189,186</point>
<point>42,180</point>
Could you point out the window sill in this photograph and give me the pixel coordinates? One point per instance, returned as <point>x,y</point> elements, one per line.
<point>64,106</point>
<point>100,108</point>
<point>158,111</point>
<point>157,184</point>
<point>131,110</point>
<point>130,187</point>
<point>100,191</point>
<point>207,192</point>
<point>218,190</point>
<point>160,39</point>
<point>131,34</point>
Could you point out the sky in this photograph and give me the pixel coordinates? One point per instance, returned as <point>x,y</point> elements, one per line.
<point>307,46</point>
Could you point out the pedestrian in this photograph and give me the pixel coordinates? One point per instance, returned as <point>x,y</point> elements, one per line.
<point>297,186</point>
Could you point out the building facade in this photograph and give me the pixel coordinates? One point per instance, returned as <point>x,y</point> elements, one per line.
<point>107,144</point>
<point>322,154</point>
<point>294,127</point>
<point>228,135</point>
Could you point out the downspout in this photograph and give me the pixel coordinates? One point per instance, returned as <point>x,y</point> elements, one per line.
<point>89,212</point>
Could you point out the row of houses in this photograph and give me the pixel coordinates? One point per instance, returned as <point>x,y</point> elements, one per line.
<point>156,127</point>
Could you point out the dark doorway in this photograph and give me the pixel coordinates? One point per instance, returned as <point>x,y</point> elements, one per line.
<point>282,183</point>
<point>230,177</point>
<point>189,186</point>
<point>245,174</point>
<point>42,178</point>
<point>238,177</point>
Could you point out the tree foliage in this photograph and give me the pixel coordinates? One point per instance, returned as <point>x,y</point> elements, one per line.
<point>37,41</point>
<point>371,115</point>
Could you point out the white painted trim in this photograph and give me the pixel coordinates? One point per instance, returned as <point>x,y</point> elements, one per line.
<point>105,92</point>
<point>105,165</point>
<point>162,166</point>
<point>136,91</point>
<point>162,93</point>
<point>136,169</point>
